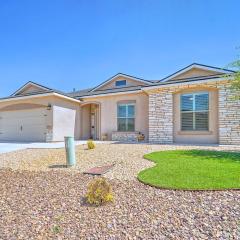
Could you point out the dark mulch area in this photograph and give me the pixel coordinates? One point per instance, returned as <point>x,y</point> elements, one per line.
<point>49,205</point>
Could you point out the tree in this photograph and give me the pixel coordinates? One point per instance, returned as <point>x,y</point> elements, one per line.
<point>236,75</point>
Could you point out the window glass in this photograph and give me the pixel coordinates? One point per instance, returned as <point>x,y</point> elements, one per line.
<point>187,121</point>
<point>201,119</point>
<point>126,117</point>
<point>131,111</point>
<point>201,102</point>
<point>121,124</point>
<point>122,111</point>
<point>120,83</point>
<point>194,112</point>
<point>187,102</point>
<point>130,124</point>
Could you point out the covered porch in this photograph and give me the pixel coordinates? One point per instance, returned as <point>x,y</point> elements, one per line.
<point>91,121</point>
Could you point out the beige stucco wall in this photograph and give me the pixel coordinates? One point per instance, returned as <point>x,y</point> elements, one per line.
<point>108,112</point>
<point>130,82</point>
<point>63,122</point>
<point>195,72</point>
<point>36,100</point>
<point>21,106</point>
<point>210,136</point>
<point>60,102</point>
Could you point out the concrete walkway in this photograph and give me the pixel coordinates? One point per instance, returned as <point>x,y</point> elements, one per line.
<point>6,147</point>
<point>14,146</point>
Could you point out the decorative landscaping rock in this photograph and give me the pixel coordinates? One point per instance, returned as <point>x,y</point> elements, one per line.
<point>47,205</point>
<point>127,158</point>
<point>39,202</point>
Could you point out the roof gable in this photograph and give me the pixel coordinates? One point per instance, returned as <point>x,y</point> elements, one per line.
<point>196,70</point>
<point>31,87</point>
<point>131,81</point>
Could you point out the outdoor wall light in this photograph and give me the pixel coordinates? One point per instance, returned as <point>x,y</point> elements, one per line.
<point>49,106</point>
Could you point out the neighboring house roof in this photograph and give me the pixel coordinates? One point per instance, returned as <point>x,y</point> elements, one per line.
<point>122,75</point>
<point>197,65</point>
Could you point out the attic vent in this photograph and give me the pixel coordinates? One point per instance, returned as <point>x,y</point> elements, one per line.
<point>120,83</point>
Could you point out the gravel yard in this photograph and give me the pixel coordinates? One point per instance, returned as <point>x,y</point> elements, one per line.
<point>39,202</point>
<point>48,205</point>
<point>128,158</point>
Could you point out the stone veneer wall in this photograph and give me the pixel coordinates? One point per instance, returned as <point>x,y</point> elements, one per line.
<point>229,116</point>
<point>125,136</point>
<point>161,116</point>
<point>161,112</point>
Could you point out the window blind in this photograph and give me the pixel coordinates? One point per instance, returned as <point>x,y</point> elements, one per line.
<point>195,112</point>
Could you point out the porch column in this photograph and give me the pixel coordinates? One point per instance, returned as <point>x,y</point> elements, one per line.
<point>161,116</point>
<point>229,115</point>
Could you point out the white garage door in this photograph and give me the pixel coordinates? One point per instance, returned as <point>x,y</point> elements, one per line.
<point>23,125</point>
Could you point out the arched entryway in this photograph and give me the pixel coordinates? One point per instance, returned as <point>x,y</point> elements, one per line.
<point>90,121</point>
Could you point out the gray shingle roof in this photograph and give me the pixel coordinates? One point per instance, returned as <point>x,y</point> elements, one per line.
<point>28,94</point>
<point>141,80</point>
<point>79,92</point>
<point>91,92</point>
<point>87,92</point>
<point>229,71</point>
<point>184,80</point>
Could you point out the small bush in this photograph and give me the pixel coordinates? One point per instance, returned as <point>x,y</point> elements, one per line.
<point>91,144</point>
<point>56,229</point>
<point>99,192</point>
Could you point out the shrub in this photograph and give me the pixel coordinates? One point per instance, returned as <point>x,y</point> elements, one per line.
<point>99,192</point>
<point>56,229</point>
<point>91,144</point>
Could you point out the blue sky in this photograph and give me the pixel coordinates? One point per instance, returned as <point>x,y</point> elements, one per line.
<point>68,44</point>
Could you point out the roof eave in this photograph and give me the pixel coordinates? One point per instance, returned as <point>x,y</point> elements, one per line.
<point>197,65</point>
<point>28,83</point>
<point>162,85</point>
<point>15,98</point>
<point>110,94</point>
<point>120,74</point>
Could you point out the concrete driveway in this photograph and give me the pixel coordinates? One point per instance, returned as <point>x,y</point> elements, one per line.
<point>13,146</point>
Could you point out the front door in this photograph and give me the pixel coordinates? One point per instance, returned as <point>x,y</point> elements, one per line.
<point>93,127</point>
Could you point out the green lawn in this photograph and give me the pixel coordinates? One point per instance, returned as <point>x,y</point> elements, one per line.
<point>193,170</point>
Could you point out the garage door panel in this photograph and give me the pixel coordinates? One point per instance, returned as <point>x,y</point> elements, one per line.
<point>24,125</point>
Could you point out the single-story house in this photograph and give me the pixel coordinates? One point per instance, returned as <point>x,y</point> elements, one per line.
<point>193,105</point>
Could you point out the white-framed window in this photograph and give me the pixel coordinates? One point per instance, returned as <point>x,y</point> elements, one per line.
<point>121,83</point>
<point>126,117</point>
<point>195,111</point>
